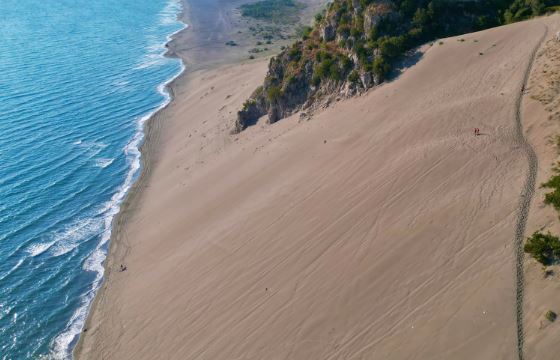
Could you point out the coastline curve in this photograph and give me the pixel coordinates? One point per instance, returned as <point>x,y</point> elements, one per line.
<point>65,345</point>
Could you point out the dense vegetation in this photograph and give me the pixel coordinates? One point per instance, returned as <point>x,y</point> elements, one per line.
<point>272,10</point>
<point>523,9</point>
<point>355,44</point>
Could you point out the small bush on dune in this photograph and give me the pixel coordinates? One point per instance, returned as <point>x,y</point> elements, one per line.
<point>550,315</point>
<point>545,248</point>
<point>553,197</point>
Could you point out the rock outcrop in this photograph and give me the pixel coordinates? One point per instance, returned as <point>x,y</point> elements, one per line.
<point>352,48</point>
<point>319,65</point>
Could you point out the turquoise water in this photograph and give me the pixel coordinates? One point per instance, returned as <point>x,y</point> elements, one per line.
<point>77,80</point>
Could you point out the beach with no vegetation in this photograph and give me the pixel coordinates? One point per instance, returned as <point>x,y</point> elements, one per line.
<point>376,227</point>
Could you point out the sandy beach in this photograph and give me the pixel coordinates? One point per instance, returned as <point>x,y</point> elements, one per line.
<point>380,228</point>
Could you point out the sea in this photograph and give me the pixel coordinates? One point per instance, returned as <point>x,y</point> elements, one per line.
<point>78,81</point>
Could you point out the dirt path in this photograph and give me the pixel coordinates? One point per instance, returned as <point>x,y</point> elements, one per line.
<point>525,200</point>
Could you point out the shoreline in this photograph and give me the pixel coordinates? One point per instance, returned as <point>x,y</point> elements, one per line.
<point>150,128</point>
<point>119,247</point>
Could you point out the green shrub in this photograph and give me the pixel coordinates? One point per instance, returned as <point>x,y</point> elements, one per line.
<point>545,248</point>
<point>324,67</point>
<point>381,67</point>
<point>550,315</point>
<point>356,32</point>
<point>391,47</point>
<point>247,104</point>
<point>306,32</point>
<point>290,80</point>
<point>354,77</point>
<point>274,93</point>
<point>346,63</point>
<point>553,197</point>
<point>295,53</point>
<point>315,80</point>
<point>343,30</point>
<point>335,73</point>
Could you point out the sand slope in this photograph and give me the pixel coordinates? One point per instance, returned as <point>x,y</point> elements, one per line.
<point>542,127</point>
<point>380,229</point>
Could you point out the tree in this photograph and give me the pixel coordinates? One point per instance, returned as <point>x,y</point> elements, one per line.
<point>381,68</point>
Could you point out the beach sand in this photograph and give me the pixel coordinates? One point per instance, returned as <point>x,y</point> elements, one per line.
<point>381,228</point>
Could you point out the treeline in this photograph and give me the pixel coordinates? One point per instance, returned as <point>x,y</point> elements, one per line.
<point>415,22</point>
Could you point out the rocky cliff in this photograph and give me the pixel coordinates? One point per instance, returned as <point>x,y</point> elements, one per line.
<point>353,45</point>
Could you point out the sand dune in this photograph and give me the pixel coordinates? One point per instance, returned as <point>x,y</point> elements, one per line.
<point>382,228</point>
<point>541,122</point>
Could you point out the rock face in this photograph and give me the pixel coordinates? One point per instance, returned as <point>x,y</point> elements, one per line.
<point>281,93</point>
<point>329,32</point>
<point>367,79</point>
<point>325,63</point>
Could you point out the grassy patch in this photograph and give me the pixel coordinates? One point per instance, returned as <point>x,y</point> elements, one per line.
<point>278,11</point>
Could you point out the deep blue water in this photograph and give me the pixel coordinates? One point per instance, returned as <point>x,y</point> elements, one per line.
<point>77,80</point>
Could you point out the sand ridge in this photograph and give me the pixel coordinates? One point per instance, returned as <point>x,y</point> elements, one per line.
<point>381,228</point>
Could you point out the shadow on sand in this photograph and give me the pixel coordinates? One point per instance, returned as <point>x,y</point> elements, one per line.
<point>410,59</point>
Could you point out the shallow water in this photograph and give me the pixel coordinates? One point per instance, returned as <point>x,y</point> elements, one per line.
<point>77,80</point>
